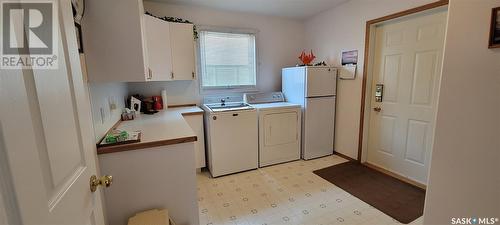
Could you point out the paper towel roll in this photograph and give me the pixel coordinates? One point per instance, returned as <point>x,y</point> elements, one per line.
<point>164,98</point>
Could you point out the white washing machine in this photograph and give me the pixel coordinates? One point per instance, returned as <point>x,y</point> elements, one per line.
<point>279,127</point>
<point>231,134</point>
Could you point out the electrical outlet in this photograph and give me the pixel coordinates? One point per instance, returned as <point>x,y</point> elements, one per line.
<point>103,115</point>
<point>112,103</point>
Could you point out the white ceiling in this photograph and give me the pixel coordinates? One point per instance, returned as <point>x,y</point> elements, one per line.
<point>295,9</point>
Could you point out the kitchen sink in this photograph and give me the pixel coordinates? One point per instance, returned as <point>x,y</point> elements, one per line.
<point>230,106</point>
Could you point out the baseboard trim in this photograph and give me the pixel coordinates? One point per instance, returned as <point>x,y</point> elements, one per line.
<point>397,176</point>
<point>344,156</point>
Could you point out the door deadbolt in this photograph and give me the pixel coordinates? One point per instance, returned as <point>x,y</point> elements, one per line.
<point>379,92</point>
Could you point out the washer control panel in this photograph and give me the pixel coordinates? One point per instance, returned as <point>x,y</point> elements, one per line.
<point>256,98</point>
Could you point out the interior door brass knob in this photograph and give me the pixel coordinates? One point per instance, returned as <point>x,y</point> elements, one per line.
<point>377,109</point>
<point>105,181</point>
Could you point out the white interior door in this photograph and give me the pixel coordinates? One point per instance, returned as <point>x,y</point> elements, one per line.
<point>46,139</point>
<point>407,61</point>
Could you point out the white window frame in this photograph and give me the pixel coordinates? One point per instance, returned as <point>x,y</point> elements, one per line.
<point>229,89</point>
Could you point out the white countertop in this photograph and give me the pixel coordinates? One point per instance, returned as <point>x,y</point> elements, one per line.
<point>163,128</point>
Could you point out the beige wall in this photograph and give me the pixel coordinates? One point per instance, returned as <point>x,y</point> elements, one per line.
<point>343,28</point>
<point>279,42</point>
<point>465,167</point>
<point>100,96</point>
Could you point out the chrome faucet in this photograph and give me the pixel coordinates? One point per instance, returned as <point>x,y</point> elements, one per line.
<point>223,101</point>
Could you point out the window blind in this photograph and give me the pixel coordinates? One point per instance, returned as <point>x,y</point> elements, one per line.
<point>227,60</point>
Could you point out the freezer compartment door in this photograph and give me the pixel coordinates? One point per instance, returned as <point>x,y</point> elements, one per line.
<point>319,127</point>
<point>321,81</point>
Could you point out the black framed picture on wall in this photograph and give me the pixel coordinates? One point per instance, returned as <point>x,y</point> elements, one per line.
<point>494,41</point>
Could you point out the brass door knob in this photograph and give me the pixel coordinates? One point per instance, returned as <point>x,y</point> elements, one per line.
<point>377,109</point>
<point>105,181</point>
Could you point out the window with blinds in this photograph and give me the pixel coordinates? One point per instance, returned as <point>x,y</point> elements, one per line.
<point>227,60</point>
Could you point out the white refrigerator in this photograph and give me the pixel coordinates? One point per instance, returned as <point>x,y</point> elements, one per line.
<point>315,88</point>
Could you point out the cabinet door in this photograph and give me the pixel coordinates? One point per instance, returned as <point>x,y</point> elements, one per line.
<point>196,123</point>
<point>113,41</point>
<point>158,49</point>
<point>182,42</point>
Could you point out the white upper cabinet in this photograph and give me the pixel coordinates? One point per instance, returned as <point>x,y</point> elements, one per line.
<point>113,41</point>
<point>122,44</point>
<point>158,48</point>
<point>170,48</point>
<point>182,42</point>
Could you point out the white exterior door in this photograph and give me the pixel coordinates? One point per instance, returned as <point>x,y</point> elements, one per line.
<point>407,61</point>
<point>46,140</point>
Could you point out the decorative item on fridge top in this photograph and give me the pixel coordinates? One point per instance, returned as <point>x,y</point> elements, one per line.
<point>322,63</point>
<point>176,20</point>
<point>349,61</point>
<point>494,41</point>
<point>306,59</point>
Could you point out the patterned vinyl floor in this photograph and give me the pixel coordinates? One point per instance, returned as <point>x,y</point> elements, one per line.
<point>283,194</point>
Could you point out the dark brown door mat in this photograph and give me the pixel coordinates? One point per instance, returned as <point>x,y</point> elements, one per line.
<point>400,200</point>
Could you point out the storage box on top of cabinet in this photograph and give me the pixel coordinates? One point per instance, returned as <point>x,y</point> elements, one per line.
<point>122,44</point>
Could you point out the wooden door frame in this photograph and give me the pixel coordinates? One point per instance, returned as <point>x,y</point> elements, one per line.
<point>368,57</point>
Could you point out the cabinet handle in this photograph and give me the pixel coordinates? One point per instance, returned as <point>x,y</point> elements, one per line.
<point>236,114</point>
<point>193,74</point>
<point>172,75</point>
<point>150,74</point>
